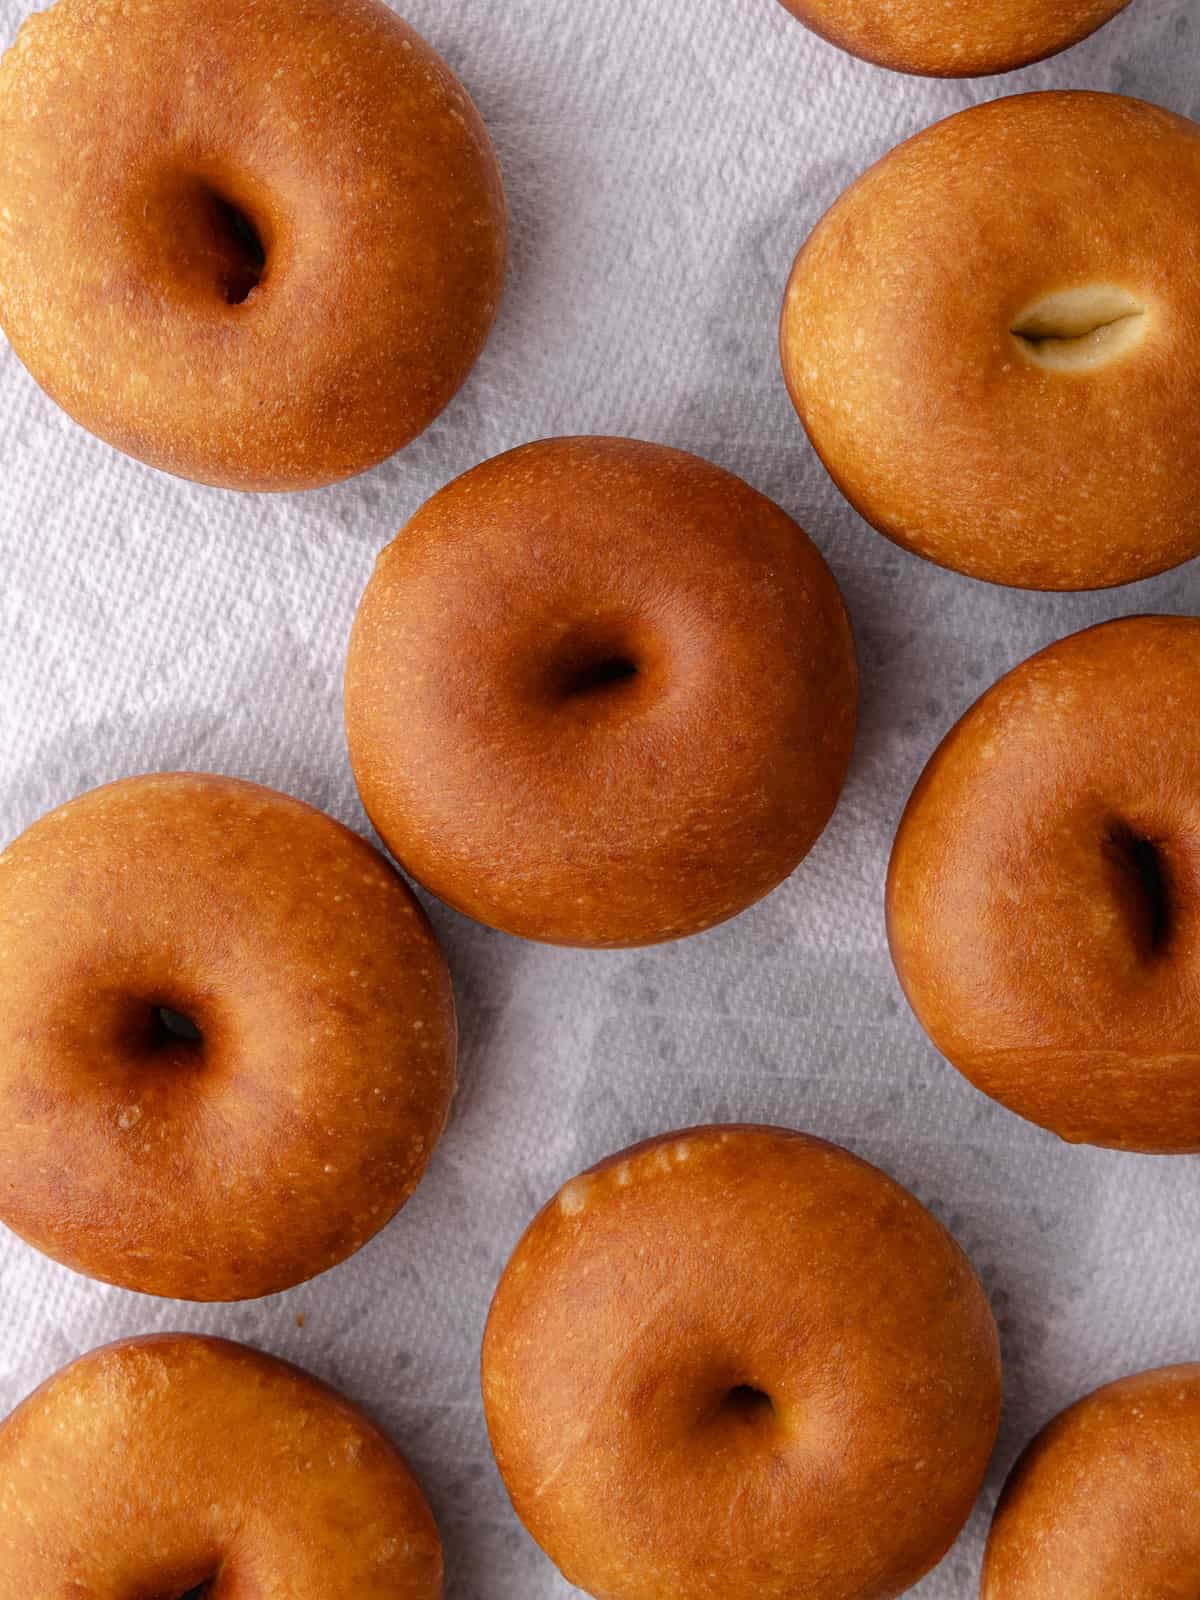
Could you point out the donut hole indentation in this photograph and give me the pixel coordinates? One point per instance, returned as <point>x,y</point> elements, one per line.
<point>745,1403</point>
<point>599,665</point>
<point>173,1031</point>
<point>1079,330</point>
<point>237,244</point>
<point>1144,882</point>
<point>205,1589</point>
<point>591,676</point>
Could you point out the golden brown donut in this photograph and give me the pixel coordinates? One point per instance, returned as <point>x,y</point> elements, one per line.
<point>182,1468</point>
<point>1044,892</point>
<point>1102,1505</point>
<point>738,1363</point>
<point>955,39</point>
<point>993,341</point>
<point>259,245</point>
<point>600,692</point>
<point>226,1038</point>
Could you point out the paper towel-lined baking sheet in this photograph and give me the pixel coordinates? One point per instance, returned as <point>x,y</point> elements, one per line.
<point>664,160</point>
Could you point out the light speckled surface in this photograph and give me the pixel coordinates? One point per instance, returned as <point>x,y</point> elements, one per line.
<point>318,1506</point>
<point>279,269</point>
<point>664,159</point>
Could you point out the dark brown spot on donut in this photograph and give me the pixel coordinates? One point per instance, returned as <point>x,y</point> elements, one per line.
<point>593,675</point>
<point>172,1030</point>
<point>237,245</point>
<point>745,1403</point>
<point>1144,885</point>
<point>206,1589</point>
<point>1148,863</point>
<point>599,661</point>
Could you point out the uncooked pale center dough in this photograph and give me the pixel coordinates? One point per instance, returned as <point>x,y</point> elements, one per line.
<point>1078,330</point>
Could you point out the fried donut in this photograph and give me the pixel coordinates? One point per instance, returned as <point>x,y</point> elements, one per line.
<point>1103,1502</point>
<point>1044,891</point>
<point>259,245</point>
<point>600,692</point>
<point>993,341</point>
<point>226,1038</point>
<point>183,1468</point>
<point>738,1363</point>
<point>957,39</point>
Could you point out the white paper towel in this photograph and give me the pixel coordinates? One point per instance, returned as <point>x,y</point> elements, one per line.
<point>664,160</point>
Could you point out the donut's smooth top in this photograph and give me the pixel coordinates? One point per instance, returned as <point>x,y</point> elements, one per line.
<point>600,692</point>
<point>174,1464</point>
<point>957,38</point>
<point>1103,1502</point>
<point>993,341</point>
<point>738,1363</point>
<point>277,1143</point>
<point>1044,889</point>
<point>259,245</point>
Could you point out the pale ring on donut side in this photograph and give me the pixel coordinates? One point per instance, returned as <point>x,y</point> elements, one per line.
<point>1043,896</point>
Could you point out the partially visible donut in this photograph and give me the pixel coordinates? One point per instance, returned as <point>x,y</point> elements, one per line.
<point>259,244</point>
<point>1044,892</point>
<point>956,38</point>
<point>738,1363</point>
<point>600,692</point>
<point>226,1038</point>
<point>1103,1502</point>
<point>183,1468</point>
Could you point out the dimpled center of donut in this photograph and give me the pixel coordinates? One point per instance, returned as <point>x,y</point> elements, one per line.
<point>595,663</point>
<point>205,1590</point>
<point>208,232</point>
<point>1145,884</point>
<point>745,1403</point>
<point>238,246</point>
<point>1079,330</point>
<point>173,1030</point>
<point>593,675</point>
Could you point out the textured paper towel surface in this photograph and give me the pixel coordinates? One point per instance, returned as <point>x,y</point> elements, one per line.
<point>664,160</point>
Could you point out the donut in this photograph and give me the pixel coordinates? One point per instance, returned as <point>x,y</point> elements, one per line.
<point>957,39</point>
<point>226,1038</point>
<point>600,692</point>
<point>1103,1502</point>
<point>1042,900</point>
<point>258,245</point>
<point>176,1467</point>
<point>738,1363</point>
<point>993,341</point>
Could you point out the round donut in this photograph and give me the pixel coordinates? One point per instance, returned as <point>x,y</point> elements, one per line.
<point>226,1038</point>
<point>1103,1502</point>
<point>957,39</point>
<point>259,245</point>
<point>760,1328</point>
<point>600,692</point>
<point>993,341</point>
<point>1044,892</point>
<point>176,1467</point>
